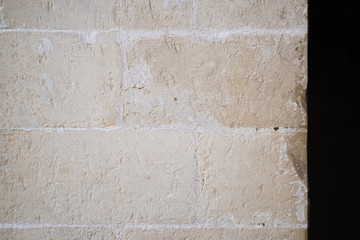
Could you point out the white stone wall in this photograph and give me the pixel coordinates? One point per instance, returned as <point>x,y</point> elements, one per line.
<point>134,119</point>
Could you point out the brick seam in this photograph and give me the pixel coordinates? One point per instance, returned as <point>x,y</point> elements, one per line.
<point>150,226</point>
<point>180,128</point>
<point>136,34</point>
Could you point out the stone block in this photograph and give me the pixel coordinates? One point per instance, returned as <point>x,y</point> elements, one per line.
<point>247,81</point>
<point>59,79</point>
<point>97,177</point>
<point>268,14</point>
<point>89,14</point>
<point>256,180</point>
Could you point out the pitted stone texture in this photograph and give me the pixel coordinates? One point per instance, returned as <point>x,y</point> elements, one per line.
<point>95,14</point>
<point>53,14</point>
<point>250,179</point>
<point>155,14</point>
<point>92,177</point>
<point>268,14</point>
<point>59,80</point>
<point>215,234</point>
<point>248,81</point>
<point>64,233</point>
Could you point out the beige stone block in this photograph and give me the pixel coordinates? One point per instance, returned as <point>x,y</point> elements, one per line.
<point>97,177</point>
<point>155,14</point>
<point>62,233</point>
<point>215,234</point>
<point>248,81</point>
<point>58,79</point>
<point>93,14</point>
<point>268,14</point>
<point>53,14</point>
<point>253,179</point>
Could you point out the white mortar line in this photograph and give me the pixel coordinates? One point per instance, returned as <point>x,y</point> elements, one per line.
<point>213,34</point>
<point>148,226</point>
<point>211,226</point>
<point>181,128</point>
<point>68,129</point>
<point>50,225</point>
<point>141,34</point>
<point>74,31</point>
<point>105,129</point>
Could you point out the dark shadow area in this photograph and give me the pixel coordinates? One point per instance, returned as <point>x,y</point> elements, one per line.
<point>333,125</point>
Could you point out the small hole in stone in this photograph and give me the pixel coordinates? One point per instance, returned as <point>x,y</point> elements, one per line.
<point>175,99</point>
<point>276,128</point>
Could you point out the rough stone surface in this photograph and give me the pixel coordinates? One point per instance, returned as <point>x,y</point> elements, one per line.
<point>58,79</point>
<point>97,177</point>
<point>215,234</point>
<point>251,180</point>
<point>95,14</point>
<point>53,14</point>
<point>57,233</point>
<point>155,119</point>
<point>276,14</point>
<point>248,81</point>
<point>155,14</point>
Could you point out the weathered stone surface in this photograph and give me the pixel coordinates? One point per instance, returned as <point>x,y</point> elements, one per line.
<point>53,14</point>
<point>155,14</point>
<point>94,177</point>
<point>215,233</point>
<point>252,179</point>
<point>297,154</point>
<point>88,14</point>
<point>57,233</point>
<point>58,79</point>
<point>249,81</point>
<point>275,14</point>
<point>87,85</point>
